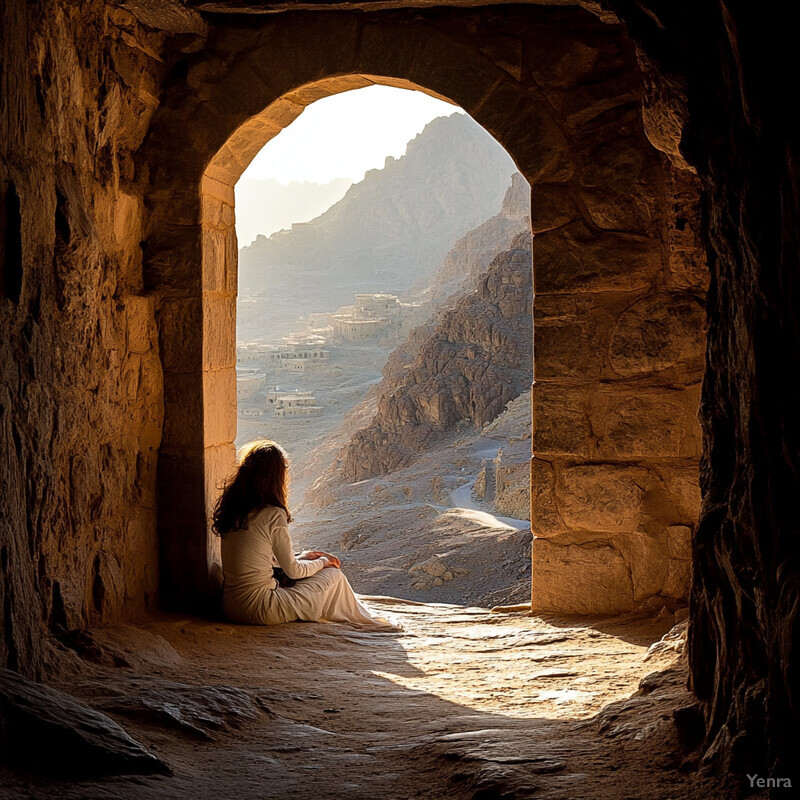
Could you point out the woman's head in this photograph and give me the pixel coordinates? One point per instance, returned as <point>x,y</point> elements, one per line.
<point>261,480</point>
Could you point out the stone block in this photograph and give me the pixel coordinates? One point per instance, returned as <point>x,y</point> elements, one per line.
<point>603,497</point>
<point>219,400</point>
<point>139,324</point>
<point>545,518</point>
<point>570,56</point>
<point>560,420</point>
<point>329,45</point>
<point>574,259</point>
<point>215,248</point>
<point>220,261</point>
<point>659,332</point>
<point>221,191</point>
<point>541,150</point>
<point>648,562</point>
<point>251,136</point>
<point>579,579</point>
<point>219,463</point>
<point>217,214</point>
<point>144,486</point>
<point>151,400</point>
<point>620,159</point>
<point>227,165</point>
<point>505,51</point>
<point>612,210</point>
<point>682,483</point>
<point>551,207</point>
<point>679,542</point>
<point>183,411</point>
<point>629,423</point>
<point>127,221</point>
<point>180,326</point>
<point>679,546</point>
<point>464,77</point>
<point>378,39</point>
<point>571,335</point>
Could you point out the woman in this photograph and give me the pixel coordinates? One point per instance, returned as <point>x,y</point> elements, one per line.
<point>252,517</point>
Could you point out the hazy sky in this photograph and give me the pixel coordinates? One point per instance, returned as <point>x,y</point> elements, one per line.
<point>344,135</point>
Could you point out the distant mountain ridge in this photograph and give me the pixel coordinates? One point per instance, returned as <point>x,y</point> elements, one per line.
<point>386,233</point>
<point>264,206</point>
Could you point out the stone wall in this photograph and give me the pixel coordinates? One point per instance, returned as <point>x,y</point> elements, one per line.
<point>561,91</point>
<point>80,376</point>
<point>620,282</point>
<point>80,399</point>
<point>122,217</point>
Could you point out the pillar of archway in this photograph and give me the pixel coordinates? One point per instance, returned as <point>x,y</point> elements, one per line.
<point>618,337</point>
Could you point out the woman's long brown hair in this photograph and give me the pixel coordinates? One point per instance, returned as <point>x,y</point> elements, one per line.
<point>261,480</point>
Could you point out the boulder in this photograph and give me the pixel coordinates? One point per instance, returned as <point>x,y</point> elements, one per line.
<point>52,732</point>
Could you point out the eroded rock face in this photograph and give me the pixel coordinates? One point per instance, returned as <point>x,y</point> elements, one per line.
<point>391,230</point>
<point>716,79</point>
<point>471,255</point>
<point>81,404</point>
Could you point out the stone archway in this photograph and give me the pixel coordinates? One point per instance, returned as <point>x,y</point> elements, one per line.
<point>618,332</point>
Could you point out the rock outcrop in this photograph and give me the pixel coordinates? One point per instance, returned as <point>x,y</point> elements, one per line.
<point>45,730</point>
<point>477,359</point>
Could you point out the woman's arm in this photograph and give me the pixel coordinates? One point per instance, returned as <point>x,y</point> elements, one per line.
<point>283,552</point>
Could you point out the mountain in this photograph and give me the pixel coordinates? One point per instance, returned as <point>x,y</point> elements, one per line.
<point>471,362</point>
<point>266,206</point>
<point>471,255</point>
<point>387,233</point>
<point>463,267</point>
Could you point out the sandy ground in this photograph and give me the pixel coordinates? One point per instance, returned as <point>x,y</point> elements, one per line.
<point>460,704</point>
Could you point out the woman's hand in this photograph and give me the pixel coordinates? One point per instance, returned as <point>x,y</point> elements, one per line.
<point>332,560</point>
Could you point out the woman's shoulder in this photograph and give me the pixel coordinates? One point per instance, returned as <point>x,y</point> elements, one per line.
<point>267,515</point>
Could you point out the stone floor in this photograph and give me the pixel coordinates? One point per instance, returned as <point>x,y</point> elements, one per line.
<point>462,703</point>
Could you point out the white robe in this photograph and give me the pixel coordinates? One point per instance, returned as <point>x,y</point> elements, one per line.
<point>252,595</point>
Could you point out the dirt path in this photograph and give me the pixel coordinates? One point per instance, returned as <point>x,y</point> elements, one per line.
<point>460,704</point>
<point>462,499</point>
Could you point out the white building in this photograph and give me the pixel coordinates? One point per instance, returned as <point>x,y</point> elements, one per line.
<point>248,385</point>
<point>374,316</point>
<point>293,403</point>
<point>299,351</point>
<point>348,329</point>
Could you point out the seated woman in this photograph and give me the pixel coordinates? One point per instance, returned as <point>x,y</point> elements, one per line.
<point>252,518</point>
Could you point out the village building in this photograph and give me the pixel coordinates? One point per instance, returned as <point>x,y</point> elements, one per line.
<point>293,403</point>
<point>248,385</point>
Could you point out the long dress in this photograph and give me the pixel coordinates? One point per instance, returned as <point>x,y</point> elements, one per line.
<point>251,594</point>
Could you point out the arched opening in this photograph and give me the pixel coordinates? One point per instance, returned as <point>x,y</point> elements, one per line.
<point>617,275</point>
<point>408,249</point>
<point>220,248</point>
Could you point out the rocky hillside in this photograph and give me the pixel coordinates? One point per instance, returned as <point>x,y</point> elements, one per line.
<point>471,255</point>
<point>389,232</point>
<point>476,359</point>
<point>464,266</point>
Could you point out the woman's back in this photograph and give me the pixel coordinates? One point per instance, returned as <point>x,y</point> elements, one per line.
<point>248,556</point>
